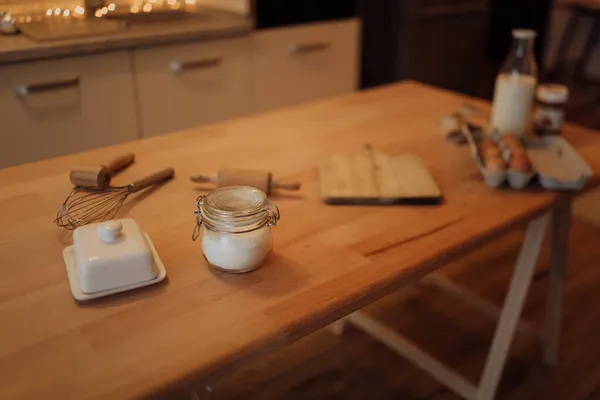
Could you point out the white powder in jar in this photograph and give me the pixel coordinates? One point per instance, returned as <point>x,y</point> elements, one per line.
<point>239,252</point>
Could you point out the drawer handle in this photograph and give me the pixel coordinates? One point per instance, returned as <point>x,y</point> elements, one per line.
<point>180,66</point>
<point>24,90</point>
<point>300,48</point>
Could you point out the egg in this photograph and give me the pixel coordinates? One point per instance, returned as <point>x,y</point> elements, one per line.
<point>521,163</point>
<point>496,164</point>
<point>512,141</point>
<point>492,152</point>
<point>486,144</point>
<point>518,151</point>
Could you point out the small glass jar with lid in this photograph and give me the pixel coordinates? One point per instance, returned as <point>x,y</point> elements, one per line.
<point>550,111</point>
<point>235,226</point>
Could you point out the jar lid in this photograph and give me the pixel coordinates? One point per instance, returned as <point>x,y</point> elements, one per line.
<point>236,201</point>
<point>524,33</point>
<point>235,209</point>
<point>552,93</point>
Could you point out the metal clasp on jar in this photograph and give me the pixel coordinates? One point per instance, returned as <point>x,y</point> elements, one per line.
<point>274,216</point>
<point>198,215</point>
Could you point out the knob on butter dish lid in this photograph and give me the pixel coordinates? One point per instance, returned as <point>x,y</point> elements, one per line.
<point>112,255</point>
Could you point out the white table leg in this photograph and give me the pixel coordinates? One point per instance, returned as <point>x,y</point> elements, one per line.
<point>200,394</point>
<point>338,327</point>
<point>559,240</point>
<point>470,298</point>
<point>414,354</point>
<point>513,305</point>
<point>503,336</point>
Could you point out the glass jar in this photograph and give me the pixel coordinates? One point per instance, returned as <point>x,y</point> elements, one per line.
<point>515,86</point>
<point>550,111</point>
<point>235,225</point>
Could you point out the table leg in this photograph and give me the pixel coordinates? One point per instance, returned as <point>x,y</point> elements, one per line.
<point>503,336</point>
<point>201,394</point>
<point>559,240</point>
<point>338,327</point>
<point>511,311</point>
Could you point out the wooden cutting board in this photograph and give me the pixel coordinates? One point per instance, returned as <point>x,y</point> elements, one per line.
<point>372,177</point>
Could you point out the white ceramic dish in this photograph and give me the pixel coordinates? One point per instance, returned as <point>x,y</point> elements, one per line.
<point>112,254</point>
<point>74,281</point>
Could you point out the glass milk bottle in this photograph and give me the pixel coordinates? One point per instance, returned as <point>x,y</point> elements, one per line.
<point>515,86</point>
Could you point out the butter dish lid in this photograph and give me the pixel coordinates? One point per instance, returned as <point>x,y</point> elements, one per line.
<point>111,242</point>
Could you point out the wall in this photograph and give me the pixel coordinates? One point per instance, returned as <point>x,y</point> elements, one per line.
<point>558,21</point>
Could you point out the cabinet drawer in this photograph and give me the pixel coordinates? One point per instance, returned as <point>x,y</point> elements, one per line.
<point>304,63</point>
<point>187,85</point>
<point>55,107</point>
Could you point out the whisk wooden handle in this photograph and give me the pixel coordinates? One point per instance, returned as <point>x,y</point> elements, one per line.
<point>163,175</point>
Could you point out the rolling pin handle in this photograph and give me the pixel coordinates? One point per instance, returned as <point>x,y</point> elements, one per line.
<point>286,186</point>
<point>203,178</point>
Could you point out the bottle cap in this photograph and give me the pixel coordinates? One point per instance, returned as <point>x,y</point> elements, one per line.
<point>552,93</point>
<point>524,33</point>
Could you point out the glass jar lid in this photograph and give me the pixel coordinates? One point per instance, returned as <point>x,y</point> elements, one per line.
<point>235,201</point>
<point>235,209</point>
<point>552,93</point>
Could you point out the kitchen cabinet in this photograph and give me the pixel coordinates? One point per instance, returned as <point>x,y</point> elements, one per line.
<point>303,63</point>
<point>55,107</point>
<point>66,105</point>
<point>182,86</point>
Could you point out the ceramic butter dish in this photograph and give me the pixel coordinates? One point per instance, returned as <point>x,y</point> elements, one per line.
<point>111,257</point>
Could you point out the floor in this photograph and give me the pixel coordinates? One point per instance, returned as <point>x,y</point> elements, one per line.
<point>353,366</point>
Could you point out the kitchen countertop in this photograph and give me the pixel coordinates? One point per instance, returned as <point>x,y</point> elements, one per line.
<point>19,48</point>
<point>328,260</point>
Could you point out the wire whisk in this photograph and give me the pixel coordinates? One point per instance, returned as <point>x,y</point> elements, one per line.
<point>87,205</point>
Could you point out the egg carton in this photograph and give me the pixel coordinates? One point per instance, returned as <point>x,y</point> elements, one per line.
<point>556,165</point>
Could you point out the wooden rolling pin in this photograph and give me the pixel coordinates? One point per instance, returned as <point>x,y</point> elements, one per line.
<point>99,177</point>
<point>243,177</point>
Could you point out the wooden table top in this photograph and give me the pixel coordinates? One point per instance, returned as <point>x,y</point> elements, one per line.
<point>327,262</point>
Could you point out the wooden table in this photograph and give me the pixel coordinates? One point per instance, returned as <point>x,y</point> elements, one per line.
<point>329,261</point>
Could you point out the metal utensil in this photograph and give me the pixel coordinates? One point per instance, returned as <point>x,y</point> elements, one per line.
<point>85,205</point>
<point>8,25</point>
